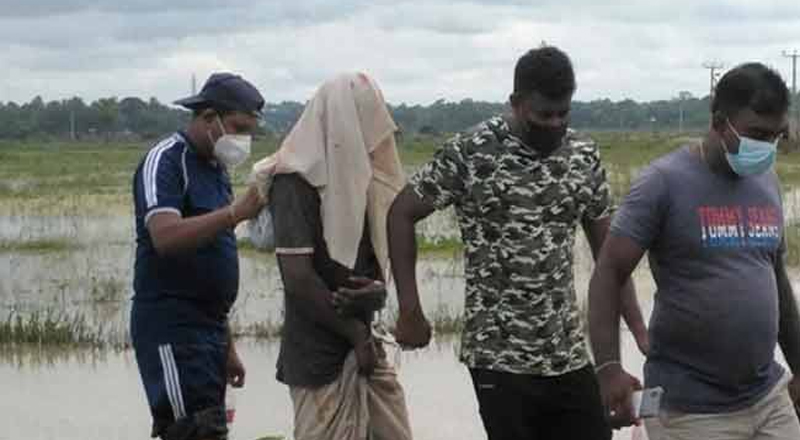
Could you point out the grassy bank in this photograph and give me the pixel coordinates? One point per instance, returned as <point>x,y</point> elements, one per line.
<point>55,330</point>
<point>51,328</point>
<point>95,178</point>
<point>38,246</point>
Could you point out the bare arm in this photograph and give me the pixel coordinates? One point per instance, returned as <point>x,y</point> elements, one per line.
<point>173,235</point>
<point>618,257</point>
<point>412,327</point>
<point>313,299</point>
<point>596,232</point>
<point>405,212</point>
<point>234,367</point>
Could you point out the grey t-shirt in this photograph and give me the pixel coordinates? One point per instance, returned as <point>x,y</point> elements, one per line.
<point>713,242</point>
<point>310,354</point>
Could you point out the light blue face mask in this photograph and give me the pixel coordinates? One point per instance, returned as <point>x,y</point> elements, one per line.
<point>754,156</point>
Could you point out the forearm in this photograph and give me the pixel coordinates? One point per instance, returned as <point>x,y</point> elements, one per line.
<point>604,312</point>
<point>631,312</point>
<point>187,234</point>
<point>611,292</point>
<point>312,299</point>
<point>229,337</point>
<point>403,255</point>
<point>339,273</point>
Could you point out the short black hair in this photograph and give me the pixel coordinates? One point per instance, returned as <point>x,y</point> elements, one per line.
<point>754,86</point>
<point>546,70</point>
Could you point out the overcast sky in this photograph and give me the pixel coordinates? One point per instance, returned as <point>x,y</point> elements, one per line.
<point>418,51</point>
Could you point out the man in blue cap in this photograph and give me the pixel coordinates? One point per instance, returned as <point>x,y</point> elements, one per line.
<point>186,274</point>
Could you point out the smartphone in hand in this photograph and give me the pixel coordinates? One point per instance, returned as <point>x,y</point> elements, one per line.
<point>647,403</point>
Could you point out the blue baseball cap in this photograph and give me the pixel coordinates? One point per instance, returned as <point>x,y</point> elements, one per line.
<point>226,91</point>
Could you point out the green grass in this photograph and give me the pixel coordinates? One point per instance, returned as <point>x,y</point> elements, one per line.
<point>792,233</point>
<point>50,328</point>
<point>78,178</point>
<point>108,290</point>
<point>63,178</point>
<point>443,320</point>
<point>63,168</point>
<point>419,149</point>
<point>39,246</point>
<point>628,150</point>
<point>447,247</point>
<point>21,356</point>
<point>91,179</point>
<point>246,249</point>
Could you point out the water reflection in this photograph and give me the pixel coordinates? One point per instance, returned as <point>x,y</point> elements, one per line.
<point>96,394</point>
<point>95,285</point>
<point>86,395</point>
<point>28,357</point>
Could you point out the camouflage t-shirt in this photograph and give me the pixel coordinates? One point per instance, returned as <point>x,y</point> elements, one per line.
<point>517,211</point>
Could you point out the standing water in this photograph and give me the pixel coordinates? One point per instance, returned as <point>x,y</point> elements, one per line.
<point>81,267</point>
<point>99,396</point>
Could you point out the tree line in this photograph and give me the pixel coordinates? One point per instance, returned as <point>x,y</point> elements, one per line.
<point>112,118</point>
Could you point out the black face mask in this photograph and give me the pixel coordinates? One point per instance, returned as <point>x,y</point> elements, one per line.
<point>543,138</point>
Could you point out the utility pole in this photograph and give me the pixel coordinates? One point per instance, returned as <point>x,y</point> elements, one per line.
<point>713,68</point>
<point>682,97</point>
<point>72,125</point>
<point>194,85</point>
<point>793,55</point>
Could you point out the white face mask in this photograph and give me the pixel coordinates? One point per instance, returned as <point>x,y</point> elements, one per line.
<point>232,149</point>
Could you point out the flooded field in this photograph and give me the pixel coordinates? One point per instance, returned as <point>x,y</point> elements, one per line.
<point>83,269</point>
<point>66,257</point>
<point>93,396</point>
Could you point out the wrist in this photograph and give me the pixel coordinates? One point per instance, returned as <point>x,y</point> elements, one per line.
<point>357,332</point>
<point>410,308</point>
<point>608,366</point>
<point>233,220</point>
<point>638,328</point>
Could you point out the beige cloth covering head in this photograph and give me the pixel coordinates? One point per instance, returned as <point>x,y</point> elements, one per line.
<point>344,146</point>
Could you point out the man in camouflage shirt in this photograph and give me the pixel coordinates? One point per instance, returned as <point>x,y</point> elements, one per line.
<point>520,184</point>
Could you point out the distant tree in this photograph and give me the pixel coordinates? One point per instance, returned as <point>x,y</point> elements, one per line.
<point>107,115</point>
<point>151,119</point>
<point>133,115</point>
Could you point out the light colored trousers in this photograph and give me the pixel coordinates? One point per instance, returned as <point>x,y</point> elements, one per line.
<point>353,407</point>
<point>771,418</point>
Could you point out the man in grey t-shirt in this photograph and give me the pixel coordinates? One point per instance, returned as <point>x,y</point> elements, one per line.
<point>711,218</point>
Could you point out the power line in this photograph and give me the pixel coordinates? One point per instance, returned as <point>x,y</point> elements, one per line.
<point>713,67</point>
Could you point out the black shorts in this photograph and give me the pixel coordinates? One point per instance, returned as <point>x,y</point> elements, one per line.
<point>525,407</point>
<point>184,376</point>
